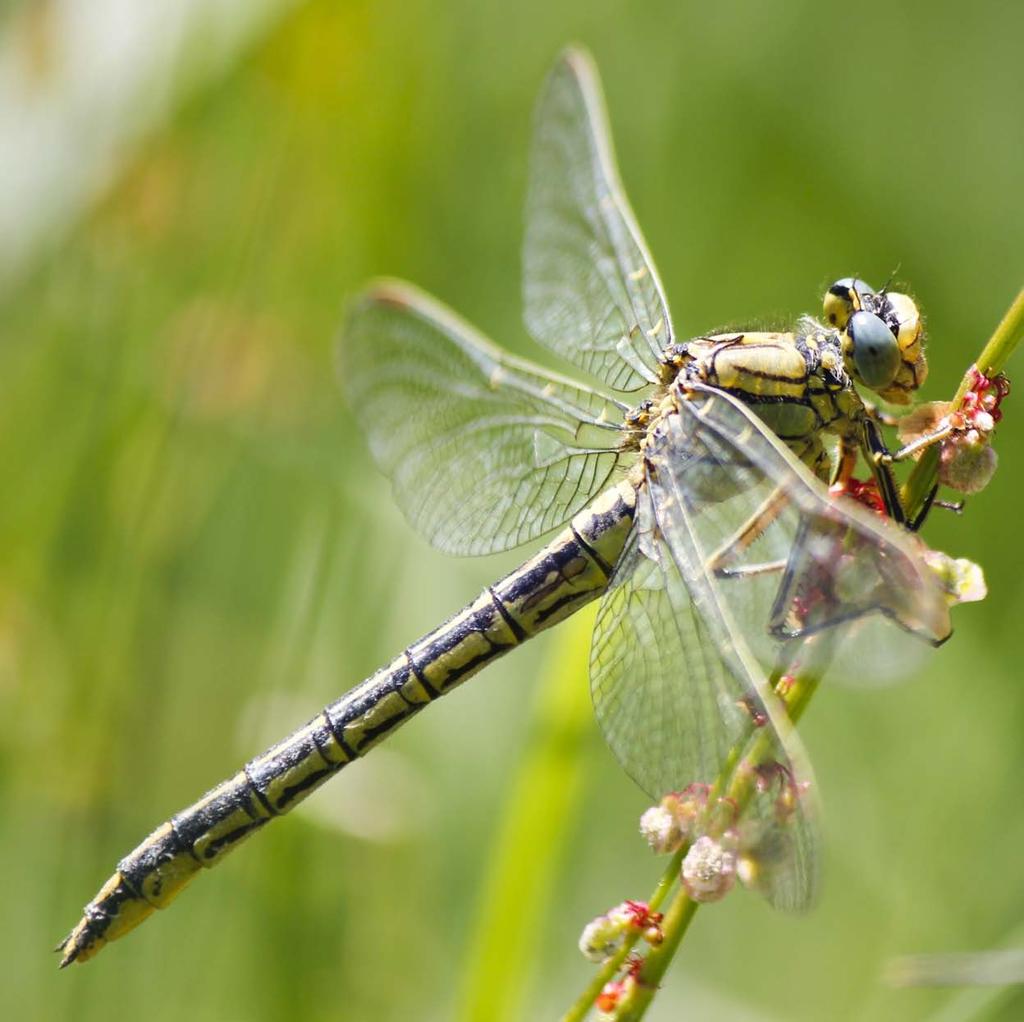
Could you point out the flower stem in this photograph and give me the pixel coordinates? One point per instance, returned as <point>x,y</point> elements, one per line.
<point>582,1005</point>
<point>992,360</point>
<point>997,352</point>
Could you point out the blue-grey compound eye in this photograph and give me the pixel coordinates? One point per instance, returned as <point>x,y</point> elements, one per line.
<point>876,355</point>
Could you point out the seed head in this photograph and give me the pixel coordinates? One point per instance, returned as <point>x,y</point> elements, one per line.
<point>600,939</point>
<point>661,830</point>
<point>603,936</point>
<point>709,870</point>
<point>967,462</point>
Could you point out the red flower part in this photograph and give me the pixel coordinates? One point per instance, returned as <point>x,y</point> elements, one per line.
<point>634,965</point>
<point>863,491</point>
<point>608,999</point>
<point>641,914</point>
<point>698,790</point>
<point>757,715</point>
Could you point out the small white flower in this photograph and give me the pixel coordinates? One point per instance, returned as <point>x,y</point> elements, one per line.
<point>709,870</point>
<point>602,936</point>
<point>984,422</point>
<point>599,940</point>
<point>661,829</point>
<point>623,916</point>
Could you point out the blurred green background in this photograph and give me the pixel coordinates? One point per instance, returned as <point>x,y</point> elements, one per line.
<point>196,553</point>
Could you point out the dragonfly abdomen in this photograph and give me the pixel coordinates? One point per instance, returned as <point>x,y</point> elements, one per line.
<point>568,573</point>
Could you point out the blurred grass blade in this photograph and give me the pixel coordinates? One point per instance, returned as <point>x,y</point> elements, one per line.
<point>992,979</point>
<point>959,968</point>
<point>539,814</point>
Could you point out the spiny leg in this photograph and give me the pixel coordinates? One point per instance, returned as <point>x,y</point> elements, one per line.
<point>876,454</point>
<point>881,460</point>
<point>915,447</point>
<point>745,537</point>
<point>922,443</point>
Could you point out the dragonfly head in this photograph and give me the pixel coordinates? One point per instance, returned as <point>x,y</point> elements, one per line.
<point>882,337</point>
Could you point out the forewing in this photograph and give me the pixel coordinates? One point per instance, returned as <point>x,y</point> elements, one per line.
<point>590,290</point>
<point>676,705</point>
<point>741,553</point>
<point>837,561</point>
<point>778,832</point>
<point>485,451</point>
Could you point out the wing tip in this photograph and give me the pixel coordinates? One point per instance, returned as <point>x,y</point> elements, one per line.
<point>379,293</point>
<point>389,291</point>
<point>941,636</point>
<point>577,58</point>
<point>576,61</point>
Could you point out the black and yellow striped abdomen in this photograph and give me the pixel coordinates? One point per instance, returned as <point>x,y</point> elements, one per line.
<point>568,573</point>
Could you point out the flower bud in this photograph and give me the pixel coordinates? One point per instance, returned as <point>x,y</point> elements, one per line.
<point>962,580</point>
<point>661,829</point>
<point>709,870</point>
<point>600,939</point>
<point>967,463</point>
<point>603,936</point>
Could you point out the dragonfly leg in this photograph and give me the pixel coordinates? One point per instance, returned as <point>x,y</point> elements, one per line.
<point>881,417</point>
<point>920,444</point>
<point>881,461</point>
<point>877,455</point>
<point>721,561</point>
<point>846,462</point>
<point>750,570</point>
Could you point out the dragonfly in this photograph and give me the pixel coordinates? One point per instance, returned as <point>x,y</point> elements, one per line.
<point>689,481</point>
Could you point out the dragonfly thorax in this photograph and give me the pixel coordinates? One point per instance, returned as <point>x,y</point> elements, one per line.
<point>796,382</point>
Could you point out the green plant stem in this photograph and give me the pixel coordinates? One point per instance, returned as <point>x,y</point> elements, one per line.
<point>609,969</point>
<point>1000,347</point>
<point>992,360</point>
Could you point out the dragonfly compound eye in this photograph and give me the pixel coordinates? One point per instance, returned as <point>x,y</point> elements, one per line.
<point>876,354</point>
<point>843,299</point>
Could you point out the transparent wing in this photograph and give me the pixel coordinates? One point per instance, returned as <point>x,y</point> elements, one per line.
<point>676,704</point>
<point>485,451</point>
<point>778,832</point>
<point>787,560</point>
<point>666,702</point>
<point>741,568</point>
<point>590,290</point>
<point>776,571</point>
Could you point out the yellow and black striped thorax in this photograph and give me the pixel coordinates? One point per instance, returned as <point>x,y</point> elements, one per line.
<point>796,382</point>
